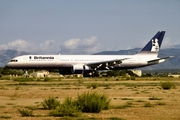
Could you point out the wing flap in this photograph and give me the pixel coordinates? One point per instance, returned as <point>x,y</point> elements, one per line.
<point>105,64</point>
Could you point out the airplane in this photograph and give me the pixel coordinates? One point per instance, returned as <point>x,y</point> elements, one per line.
<point>87,64</point>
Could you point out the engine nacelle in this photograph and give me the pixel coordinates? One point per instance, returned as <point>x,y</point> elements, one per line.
<point>76,69</point>
<point>81,69</point>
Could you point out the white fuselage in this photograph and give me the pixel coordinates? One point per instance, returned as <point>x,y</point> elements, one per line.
<point>58,61</point>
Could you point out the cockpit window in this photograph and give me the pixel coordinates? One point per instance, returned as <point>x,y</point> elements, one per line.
<point>14,60</point>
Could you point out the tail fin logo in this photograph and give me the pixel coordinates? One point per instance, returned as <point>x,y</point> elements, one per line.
<point>155,45</point>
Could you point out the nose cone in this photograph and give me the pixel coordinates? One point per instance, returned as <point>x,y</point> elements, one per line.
<point>8,65</point>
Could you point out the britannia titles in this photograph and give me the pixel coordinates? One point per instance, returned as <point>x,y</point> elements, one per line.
<point>42,57</point>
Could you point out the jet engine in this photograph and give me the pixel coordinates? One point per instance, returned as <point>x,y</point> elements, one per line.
<point>76,69</point>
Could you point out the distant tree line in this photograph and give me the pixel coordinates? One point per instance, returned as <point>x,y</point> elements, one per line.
<point>7,71</point>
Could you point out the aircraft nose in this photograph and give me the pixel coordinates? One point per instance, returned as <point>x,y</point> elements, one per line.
<point>7,65</point>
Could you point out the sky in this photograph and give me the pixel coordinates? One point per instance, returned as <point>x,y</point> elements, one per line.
<point>86,26</point>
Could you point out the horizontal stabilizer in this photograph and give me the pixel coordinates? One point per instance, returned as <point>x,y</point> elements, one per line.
<point>156,61</point>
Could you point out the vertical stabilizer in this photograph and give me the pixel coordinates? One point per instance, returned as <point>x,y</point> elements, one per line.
<point>153,46</point>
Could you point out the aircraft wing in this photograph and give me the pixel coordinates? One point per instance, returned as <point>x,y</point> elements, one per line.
<point>105,64</point>
<point>159,60</point>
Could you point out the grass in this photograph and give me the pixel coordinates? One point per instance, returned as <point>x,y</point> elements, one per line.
<point>140,101</point>
<point>93,102</point>
<point>145,92</point>
<point>94,85</point>
<point>66,110</point>
<point>161,103</point>
<point>107,87</point>
<point>5,117</point>
<point>155,98</point>
<point>115,118</point>
<point>2,106</point>
<point>127,99</point>
<point>69,109</point>
<point>5,78</point>
<point>167,85</point>
<point>23,79</point>
<point>50,103</point>
<point>148,104</point>
<point>10,103</point>
<point>126,105</point>
<point>26,112</point>
<point>90,102</point>
<point>46,79</point>
<point>31,107</point>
